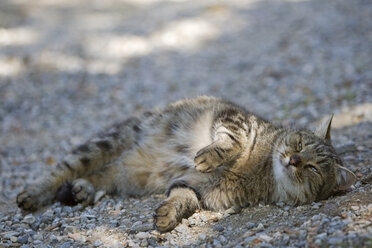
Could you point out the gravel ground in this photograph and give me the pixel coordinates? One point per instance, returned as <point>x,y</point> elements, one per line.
<point>69,68</point>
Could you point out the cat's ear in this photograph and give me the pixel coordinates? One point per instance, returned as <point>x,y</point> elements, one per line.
<point>324,129</point>
<point>345,178</point>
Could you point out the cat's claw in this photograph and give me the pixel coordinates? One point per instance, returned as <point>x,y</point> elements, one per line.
<point>165,218</point>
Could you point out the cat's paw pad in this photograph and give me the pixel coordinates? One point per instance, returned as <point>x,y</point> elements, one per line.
<point>31,199</point>
<point>83,191</point>
<point>165,218</point>
<point>207,159</point>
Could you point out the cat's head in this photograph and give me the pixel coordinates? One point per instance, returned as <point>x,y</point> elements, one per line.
<point>307,167</point>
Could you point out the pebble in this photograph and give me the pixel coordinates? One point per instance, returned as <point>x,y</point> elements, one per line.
<point>265,238</point>
<point>181,228</point>
<point>222,239</point>
<point>66,245</point>
<point>22,239</point>
<point>8,235</point>
<point>202,236</point>
<point>218,228</point>
<point>335,240</point>
<point>144,243</point>
<point>260,227</point>
<point>142,235</point>
<point>29,219</point>
<point>321,236</point>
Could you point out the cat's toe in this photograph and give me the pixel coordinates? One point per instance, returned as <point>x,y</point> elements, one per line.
<point>83,191</point>
<point>165,218</point>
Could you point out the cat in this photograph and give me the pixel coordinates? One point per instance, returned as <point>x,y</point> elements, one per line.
<point>205,153</point>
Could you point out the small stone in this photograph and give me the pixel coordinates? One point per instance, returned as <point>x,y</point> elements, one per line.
<point>303,234</point>
<point>66,245</point>
<point>57,210</point>
<point>192,222</point>
<point>126,222</point>
<point>142,228</point>
<point>38,242</point>
<point>251,225</point>
<point>114,223</point>
<point>67,209</point>
<point>216,243</point>
<point>23,239</point>
<point>260,227</point>
<point>335,240</point>
<point>144,243</point>
<point>88,216</point>
<point>49,213</point>
<point>38,236</point>
<point>70,229</point>
<point>222,239</point>
<point>9,235</point>
<point>318,242</point>
<point>98,243</point>
<point>316,217</point>
<point>202,236</point>
<point>316,206</point>
<point>344,215</point>
<point>181,228</point>
<point>152,242</point>
<point>137,223</point>
<point>218,228</point>
<point>29,219</point>
<point>321,236</point>
<point>142,235</point>
<point>13,239</point>
<point>203,218</point>
<point>355,208</point>
<point>264,237</point>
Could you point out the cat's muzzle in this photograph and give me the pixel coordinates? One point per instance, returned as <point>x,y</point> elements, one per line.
<point>294,160</point>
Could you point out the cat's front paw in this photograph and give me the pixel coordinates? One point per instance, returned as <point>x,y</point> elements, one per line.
<point>165,218</point>
<point>83,191</point>
<point>32,199</point>
<point>208,159</point>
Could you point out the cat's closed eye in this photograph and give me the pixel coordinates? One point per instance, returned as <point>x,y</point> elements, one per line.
<point>299,146</point>
<point>312,168</point>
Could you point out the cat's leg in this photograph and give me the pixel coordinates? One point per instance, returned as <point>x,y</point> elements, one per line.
<point>86,158</point>
<point>181,203</point>
<point>82,190</point>
<point>229,133</point>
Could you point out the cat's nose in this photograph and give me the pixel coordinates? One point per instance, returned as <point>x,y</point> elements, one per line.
<point>294,160</point>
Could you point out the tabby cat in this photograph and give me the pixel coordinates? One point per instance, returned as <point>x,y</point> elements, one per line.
<point>204,153</point>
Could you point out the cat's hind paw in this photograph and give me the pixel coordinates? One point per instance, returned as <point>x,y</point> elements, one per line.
<point>33,199</point>
<point>83,191</point>
<point>165,218</point>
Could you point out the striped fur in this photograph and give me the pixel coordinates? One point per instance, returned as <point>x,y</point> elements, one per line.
<point>208,153</point>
